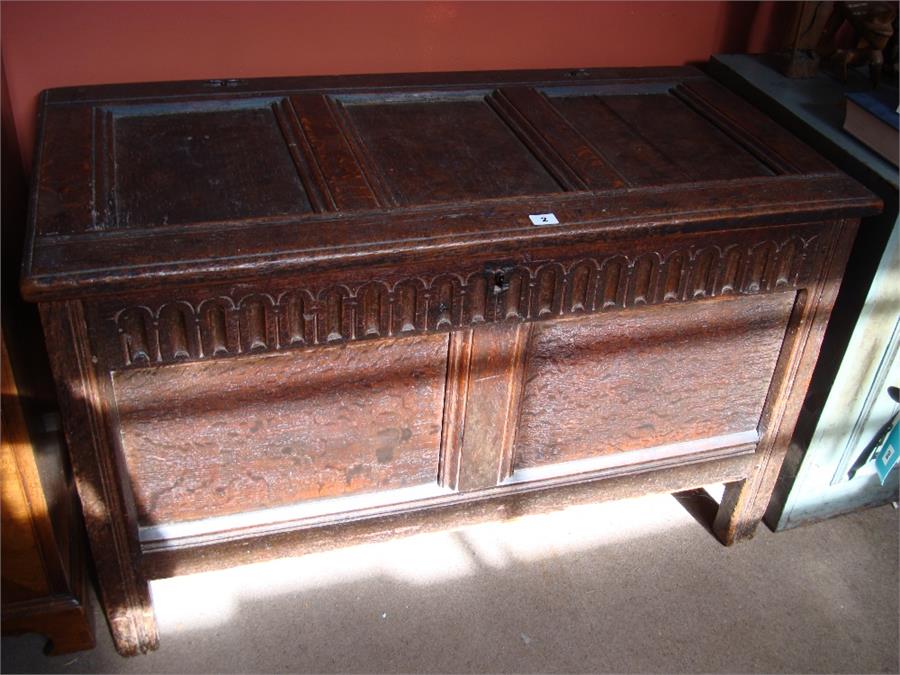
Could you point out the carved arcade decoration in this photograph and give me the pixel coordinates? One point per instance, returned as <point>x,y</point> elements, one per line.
<point>296,318</point>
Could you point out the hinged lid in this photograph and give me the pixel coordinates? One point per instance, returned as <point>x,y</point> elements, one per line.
<point>141,185</point>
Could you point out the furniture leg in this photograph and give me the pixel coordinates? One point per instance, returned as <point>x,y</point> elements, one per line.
<point>108,512</point>
<point>734,522</point>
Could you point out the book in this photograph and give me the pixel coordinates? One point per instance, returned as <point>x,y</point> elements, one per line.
<point>872,118</point>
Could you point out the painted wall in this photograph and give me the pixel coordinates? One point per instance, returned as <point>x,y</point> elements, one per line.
<point>53,44</point>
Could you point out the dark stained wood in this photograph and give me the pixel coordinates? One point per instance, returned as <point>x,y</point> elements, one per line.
<point>471,153</point>
<point>371,82</point>
<point>62,197</point>
<point>208,439</point>
<point>656,139</point>
<point>71,267</point>
<point>656,376</point>
<point>486,406</point>
<point>535,121</point>
<point>636,158</point>
<point>360,331</point>
<point>456,396</point>
<point>758,133</point>
<point>745,502</point>
<point>675,131</point>
<point>85,398</point>
<point>343,177</point>
<point>272,315</point>
<point>172,165</point>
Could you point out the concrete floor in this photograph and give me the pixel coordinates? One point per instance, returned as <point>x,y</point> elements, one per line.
<point>631,586</point>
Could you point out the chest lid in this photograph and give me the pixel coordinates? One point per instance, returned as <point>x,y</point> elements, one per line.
<point>138,185</point>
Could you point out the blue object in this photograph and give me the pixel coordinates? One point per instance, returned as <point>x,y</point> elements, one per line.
<point>888,454</point>
<point>879,102</point>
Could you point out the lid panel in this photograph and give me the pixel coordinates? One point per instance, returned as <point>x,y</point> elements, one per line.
<point>140,186</point>
<point>655,139</point>
<point>443,150</point>
<point>176,164</point>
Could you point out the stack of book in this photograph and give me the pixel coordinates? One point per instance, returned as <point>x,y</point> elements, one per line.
<point>872,117</point>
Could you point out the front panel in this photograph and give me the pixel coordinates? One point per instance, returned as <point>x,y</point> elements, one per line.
<point>211,439</point>
<point>674,379</point>
<point>319,396</point>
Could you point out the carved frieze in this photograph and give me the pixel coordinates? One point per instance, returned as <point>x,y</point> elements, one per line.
<point>307,316</point>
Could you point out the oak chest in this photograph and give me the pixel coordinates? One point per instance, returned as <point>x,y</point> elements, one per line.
<point>291,313</point>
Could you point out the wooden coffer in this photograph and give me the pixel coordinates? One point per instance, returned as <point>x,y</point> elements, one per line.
<point>285,314</point>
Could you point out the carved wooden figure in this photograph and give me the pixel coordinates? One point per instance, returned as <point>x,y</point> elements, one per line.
<point>288,314</point>
<point>872,24</point>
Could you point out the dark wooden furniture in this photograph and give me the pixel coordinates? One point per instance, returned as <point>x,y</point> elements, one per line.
<point>44,581</point>
<point>43,585</point>
<point>293,313</point>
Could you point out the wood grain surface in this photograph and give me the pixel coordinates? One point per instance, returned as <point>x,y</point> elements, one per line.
<point>260,294</point>
<point>470,152</point>
<point>298,172</point>
<point>264,431</point>
<point>656,376</point>
<point>481,420</point>
<point>655,138</point>
<point>188,165</point>
<point>92,435</point>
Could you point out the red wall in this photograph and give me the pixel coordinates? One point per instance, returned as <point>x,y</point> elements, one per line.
<point>50,44</point>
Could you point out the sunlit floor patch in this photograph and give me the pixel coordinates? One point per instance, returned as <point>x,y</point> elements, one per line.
<point>211,598</point>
